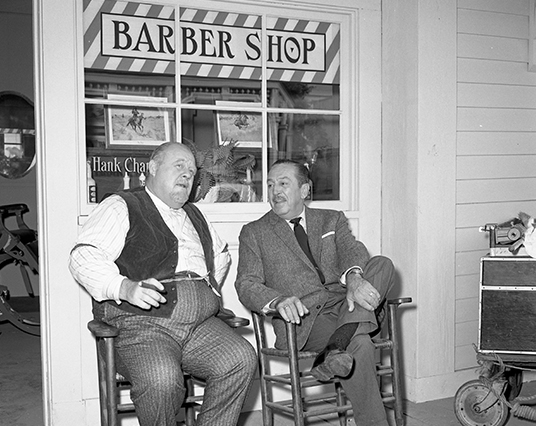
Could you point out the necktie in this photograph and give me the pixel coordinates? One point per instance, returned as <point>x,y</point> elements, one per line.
<point>301,236</point>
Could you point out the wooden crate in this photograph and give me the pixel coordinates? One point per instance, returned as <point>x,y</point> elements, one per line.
<point>508,305</point>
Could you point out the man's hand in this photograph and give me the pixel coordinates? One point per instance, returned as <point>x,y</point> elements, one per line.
<point>291,309</point>
<point>360,291</point>
<point>143,294</point>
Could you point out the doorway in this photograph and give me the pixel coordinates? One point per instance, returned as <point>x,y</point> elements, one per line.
<point>21,389</point>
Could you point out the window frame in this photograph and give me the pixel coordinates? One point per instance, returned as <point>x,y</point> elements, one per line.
<point>348,109</point>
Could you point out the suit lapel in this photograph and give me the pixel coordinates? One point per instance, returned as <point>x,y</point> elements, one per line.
<point>284,232</point>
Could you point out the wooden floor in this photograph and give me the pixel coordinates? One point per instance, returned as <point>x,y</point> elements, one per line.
<point>21,405</point>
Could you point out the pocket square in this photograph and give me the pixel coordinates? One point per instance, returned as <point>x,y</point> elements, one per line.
<point>327,234</point>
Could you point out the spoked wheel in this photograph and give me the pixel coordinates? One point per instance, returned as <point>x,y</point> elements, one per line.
<point>476,405</point>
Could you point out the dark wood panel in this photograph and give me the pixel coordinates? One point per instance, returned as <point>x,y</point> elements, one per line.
<point>508,320</point>
<point>512,273</point>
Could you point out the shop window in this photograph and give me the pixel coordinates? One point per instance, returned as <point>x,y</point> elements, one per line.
<point>242,90</point>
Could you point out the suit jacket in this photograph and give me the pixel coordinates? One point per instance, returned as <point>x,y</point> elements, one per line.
<point>271,264</point>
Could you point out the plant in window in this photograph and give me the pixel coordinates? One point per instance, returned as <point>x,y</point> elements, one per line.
<point>217,167</point>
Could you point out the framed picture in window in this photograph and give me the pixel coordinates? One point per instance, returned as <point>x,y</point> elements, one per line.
<point>134,126</point>
<point>242,127</point>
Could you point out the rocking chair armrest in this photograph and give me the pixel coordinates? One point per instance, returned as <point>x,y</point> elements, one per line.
<point>100,329</point>
<point>399,301</point>
<point>236,322</point>
<point>229,317</point>
<point>290,327</point>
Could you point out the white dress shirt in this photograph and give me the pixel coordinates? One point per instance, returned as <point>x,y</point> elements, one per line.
<point>103,239</point>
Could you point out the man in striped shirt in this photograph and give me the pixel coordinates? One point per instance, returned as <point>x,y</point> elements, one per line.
<point>154,266</point>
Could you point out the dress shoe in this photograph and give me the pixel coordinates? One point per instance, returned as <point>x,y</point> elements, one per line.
<point>330,363</point>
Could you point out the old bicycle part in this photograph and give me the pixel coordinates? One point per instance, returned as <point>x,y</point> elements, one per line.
<point>477,405</point>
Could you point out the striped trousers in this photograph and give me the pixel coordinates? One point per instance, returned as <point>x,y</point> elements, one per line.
<point>154,353</point>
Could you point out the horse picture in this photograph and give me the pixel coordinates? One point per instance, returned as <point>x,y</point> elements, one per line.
<point>132,125</point>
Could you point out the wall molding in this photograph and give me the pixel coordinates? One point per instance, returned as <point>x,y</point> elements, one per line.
<point>532,36</point>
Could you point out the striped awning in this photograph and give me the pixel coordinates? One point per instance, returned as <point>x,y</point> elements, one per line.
<point>6,130</point>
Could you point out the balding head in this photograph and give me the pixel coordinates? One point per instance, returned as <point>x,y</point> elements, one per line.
<point>171,173</point>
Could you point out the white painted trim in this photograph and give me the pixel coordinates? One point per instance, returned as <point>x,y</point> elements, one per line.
<point>532,36</point>
<point>57,113</point>
<point>369,132</point>
<point>39,125</point>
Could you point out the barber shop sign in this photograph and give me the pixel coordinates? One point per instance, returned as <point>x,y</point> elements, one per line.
<point>127,36</point>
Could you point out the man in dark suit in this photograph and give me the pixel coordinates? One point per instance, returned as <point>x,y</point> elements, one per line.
<point>333,293</point>
<point>154,266</point>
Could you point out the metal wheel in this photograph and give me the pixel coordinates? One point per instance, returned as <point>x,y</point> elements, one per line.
<point>476,405</point>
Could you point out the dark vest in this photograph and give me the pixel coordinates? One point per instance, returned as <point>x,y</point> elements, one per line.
<point>151,249</point>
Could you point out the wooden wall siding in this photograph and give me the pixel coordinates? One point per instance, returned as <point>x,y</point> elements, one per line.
<point>474,95</point>
<point>481,22</point>
<point>494,72</point>
<point>485,190</point>
<point>518,7</point>
<point>496,143</point>
<point>479,214</point>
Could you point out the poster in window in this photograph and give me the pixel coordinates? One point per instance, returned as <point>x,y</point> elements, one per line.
<point>244,128</point>
<point>133,126</point>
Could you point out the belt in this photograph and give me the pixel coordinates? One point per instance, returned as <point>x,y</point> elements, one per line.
<point>190,276</point>
<point>170,290</point>
<point>185,276</point>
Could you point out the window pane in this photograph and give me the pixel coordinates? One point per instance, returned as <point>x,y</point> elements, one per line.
<point>119,141</point>
<point>129,47</point>
<point>220,56</point>
<point>106,85</point>
<point>312,140</point>
<point>128,126</point>
<point>303,64</point>
<point>227,146</point>
<point>129,63</point>
<point>198,90</point>
<point>303,95</point>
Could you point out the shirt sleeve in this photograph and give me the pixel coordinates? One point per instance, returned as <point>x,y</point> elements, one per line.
<point>342,278</point>
<point>100,243</point>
